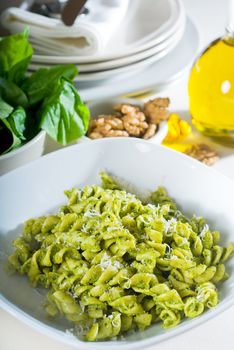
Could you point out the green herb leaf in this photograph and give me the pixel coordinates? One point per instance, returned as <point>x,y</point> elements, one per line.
<point>5,137</point>
<point>17,122</point>
<point>15,54</point>
<point>5,109</point>
<point>12,94</point>
<point>15,141</point>
<point>63,115</point>
<point>41,82</point>
<point>12,127</point>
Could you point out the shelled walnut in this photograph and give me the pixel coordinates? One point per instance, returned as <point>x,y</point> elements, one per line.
<point>203,153</point>
<point>130,120</point>
<point>156,110</point>
<point>152,128</point>
<point>133,119</point>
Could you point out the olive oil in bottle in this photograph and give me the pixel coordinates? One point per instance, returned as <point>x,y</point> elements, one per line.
<point>211,89</point>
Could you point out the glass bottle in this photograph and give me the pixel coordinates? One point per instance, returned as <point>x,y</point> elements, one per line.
<point>211,87</point>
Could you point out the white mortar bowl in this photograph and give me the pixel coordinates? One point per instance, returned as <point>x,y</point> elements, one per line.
<point>24,154</point>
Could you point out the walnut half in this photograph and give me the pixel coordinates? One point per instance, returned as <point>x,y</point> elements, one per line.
<point>156,110</point>
<point>203,153</point>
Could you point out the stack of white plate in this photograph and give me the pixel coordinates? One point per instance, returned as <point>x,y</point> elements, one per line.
<point>149,32</point>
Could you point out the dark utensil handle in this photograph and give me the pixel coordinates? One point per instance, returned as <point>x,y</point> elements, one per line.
<point>71,10</point>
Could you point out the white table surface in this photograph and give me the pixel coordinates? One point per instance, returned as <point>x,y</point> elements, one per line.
<point>210,18</point>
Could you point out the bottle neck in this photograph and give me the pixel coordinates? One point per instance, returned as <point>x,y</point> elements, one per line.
<point>230,24</point>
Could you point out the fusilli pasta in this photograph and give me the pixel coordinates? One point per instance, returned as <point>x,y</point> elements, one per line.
<point>113,263</point>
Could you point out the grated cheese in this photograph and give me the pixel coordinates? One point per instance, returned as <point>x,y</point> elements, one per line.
<point>204,230</point>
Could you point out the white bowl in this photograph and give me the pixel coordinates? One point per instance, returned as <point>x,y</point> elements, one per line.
<point>197,188</point>
<point>24,154</point>
<point>107,107</point>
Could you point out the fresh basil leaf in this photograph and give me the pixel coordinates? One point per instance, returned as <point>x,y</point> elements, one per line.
<point>9,140</point>
<point>63,115</point>
<point>5,138</point>
<point>83,111</point>
<point>15,54</point>
<point>15,140</point>
<point>12,126</point>
<point>5,109</point>
<point>12,94</point>
<point>17,122</point>
<point>41,82</point>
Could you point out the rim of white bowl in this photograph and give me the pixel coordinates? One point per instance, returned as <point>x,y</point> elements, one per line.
<point>24,147</point>
<point>64,338</point>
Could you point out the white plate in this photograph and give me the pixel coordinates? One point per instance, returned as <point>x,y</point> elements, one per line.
<point>168,69</point>
<point>100,66</point>
<point>126,70</point>
<point>196,187</point>
<point>117,73</point>
<point>121,61</point>
<point>135,34</point>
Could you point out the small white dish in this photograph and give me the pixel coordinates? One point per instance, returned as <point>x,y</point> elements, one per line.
<point>196,187</point>
<point>107,107</point>
<point>24,154</point>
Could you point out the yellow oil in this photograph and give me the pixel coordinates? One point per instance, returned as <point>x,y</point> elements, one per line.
<point>211,90</point>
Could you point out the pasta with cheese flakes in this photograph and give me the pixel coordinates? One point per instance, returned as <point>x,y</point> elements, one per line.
<point>113,263</point>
